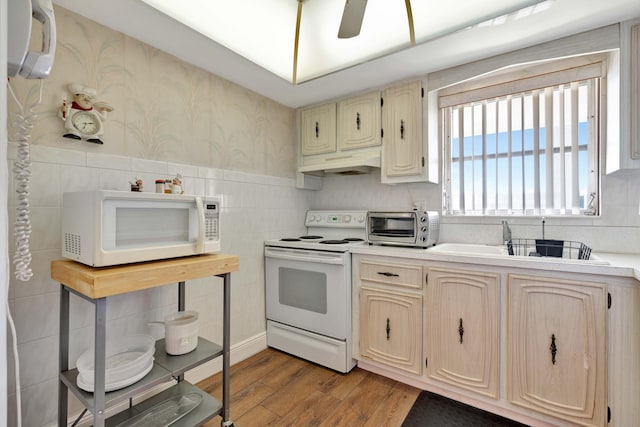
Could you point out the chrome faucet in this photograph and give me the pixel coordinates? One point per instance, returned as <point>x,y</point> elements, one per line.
<point>506,231</point>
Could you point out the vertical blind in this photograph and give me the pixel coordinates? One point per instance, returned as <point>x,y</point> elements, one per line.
<point>528,146</point>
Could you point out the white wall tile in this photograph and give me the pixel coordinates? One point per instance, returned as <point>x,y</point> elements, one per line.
<point>109,161</point>
<point>58,156</point>
<point>40,282</point>
<point>41,408</point>
<point>38,362</point>
<point>185,170</point>
<point>45,184</point>
<point>36,317</point>
<point>76,178</point>
<point>46,228</point>
<point>210,173</point>
<point>150,166</point>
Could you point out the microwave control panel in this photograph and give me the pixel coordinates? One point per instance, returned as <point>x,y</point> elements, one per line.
<point>211,219</point>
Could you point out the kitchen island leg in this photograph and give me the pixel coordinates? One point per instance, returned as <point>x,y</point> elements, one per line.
<point>63,355</point>
<point>226,350</point>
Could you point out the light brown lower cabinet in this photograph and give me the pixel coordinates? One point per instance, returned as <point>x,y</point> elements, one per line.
<point>463,332</point>
<point>556,348</point>
<point>391,328</point>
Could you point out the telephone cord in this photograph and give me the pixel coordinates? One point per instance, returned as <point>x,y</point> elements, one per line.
<point>22,257</point>
<point>24,123</point>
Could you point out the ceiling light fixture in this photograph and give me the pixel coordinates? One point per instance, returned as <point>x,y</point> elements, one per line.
<point>266,32</point>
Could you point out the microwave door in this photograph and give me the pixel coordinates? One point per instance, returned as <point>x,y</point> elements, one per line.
<point>137,229</point>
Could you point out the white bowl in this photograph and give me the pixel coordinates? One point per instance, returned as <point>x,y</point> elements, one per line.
<point>125,357</point>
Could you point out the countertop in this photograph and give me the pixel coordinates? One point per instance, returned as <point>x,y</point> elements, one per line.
<point>605,263</point>
<point>98,282</point>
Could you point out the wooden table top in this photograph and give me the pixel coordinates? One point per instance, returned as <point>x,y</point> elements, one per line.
<point>99,282</point>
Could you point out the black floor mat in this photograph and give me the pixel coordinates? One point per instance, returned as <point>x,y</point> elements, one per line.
<point>432,410</point>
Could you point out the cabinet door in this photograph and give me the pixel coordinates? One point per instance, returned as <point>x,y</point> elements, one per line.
<point>402,124</point>
<point>556,346</point>
<point>359,122</point>
<point>391,328</point>
<point>318,134</point>
<point>463,329</point>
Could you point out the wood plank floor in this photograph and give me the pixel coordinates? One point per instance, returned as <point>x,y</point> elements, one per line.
<point>273,388</point>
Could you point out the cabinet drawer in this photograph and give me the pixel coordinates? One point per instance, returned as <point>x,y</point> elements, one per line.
<point>406,275</point>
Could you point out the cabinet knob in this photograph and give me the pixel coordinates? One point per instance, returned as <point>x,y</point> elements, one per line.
<point>553,348</point>
<point>388,328</point>
<point>317,129</point>
<point>401,129</point>
<point>358,121</point>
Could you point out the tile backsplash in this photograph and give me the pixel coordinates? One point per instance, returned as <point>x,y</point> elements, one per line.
<point>616,229</point>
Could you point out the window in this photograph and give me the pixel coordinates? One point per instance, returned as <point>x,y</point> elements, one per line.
<point>523,142</point>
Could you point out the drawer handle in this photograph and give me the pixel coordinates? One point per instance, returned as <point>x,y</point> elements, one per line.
<point>317,130</point>
<point>401,129</point>
<point>388,274</point>
<point>553,348</point>
<point>358,121</point>
<point>461,330</point>
<point>388,328</point>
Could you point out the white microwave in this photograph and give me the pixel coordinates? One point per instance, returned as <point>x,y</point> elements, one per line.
<point>101,228</point>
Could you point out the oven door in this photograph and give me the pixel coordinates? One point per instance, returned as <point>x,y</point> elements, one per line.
<point>310,290</point>
<point>392,227</point>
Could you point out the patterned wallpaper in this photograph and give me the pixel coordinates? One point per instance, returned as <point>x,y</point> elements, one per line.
<point>164,108</point>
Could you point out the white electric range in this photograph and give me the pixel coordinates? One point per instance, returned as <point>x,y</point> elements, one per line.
<point>308,288</point>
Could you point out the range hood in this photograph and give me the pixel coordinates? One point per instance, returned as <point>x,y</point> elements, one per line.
<point>355,164</point>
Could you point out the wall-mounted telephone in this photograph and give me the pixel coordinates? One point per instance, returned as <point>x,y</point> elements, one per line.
<point>30,64</point>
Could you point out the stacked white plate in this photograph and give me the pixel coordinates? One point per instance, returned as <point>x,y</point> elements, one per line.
<point>127,360</point>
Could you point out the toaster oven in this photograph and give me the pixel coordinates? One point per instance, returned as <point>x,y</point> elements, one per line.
<point>409,228</point>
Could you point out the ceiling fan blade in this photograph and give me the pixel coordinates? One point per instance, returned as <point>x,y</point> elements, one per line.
<point>352,18</point>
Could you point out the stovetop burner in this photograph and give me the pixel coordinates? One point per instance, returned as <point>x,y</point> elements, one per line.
<point>289,239</point>
<point>354,239</point>
<point>334,242</point>
<point>310,237</point>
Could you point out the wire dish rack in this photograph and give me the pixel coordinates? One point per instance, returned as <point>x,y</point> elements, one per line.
<point>549,248</point>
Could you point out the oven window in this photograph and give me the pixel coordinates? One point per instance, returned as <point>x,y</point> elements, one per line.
<point>303,289</point>
<point>402,227</point>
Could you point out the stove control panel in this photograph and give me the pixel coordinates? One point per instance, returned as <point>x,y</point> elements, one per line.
<point>346,219</point>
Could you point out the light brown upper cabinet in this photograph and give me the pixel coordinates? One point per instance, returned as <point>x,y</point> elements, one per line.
<point>359,122</point>
<point>318,130</point>
<point>402,154</point>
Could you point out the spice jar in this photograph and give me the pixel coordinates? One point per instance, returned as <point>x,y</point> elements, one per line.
<point>159,185</point>
<point>167,186</point>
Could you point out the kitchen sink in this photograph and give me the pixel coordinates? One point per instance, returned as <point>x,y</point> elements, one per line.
<point>565,251</point>
<point>470,249</point>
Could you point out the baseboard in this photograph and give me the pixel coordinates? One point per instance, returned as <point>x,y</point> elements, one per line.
<point>239,352</point>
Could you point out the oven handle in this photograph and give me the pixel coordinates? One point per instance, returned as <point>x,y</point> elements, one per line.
<point>305,256</point>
